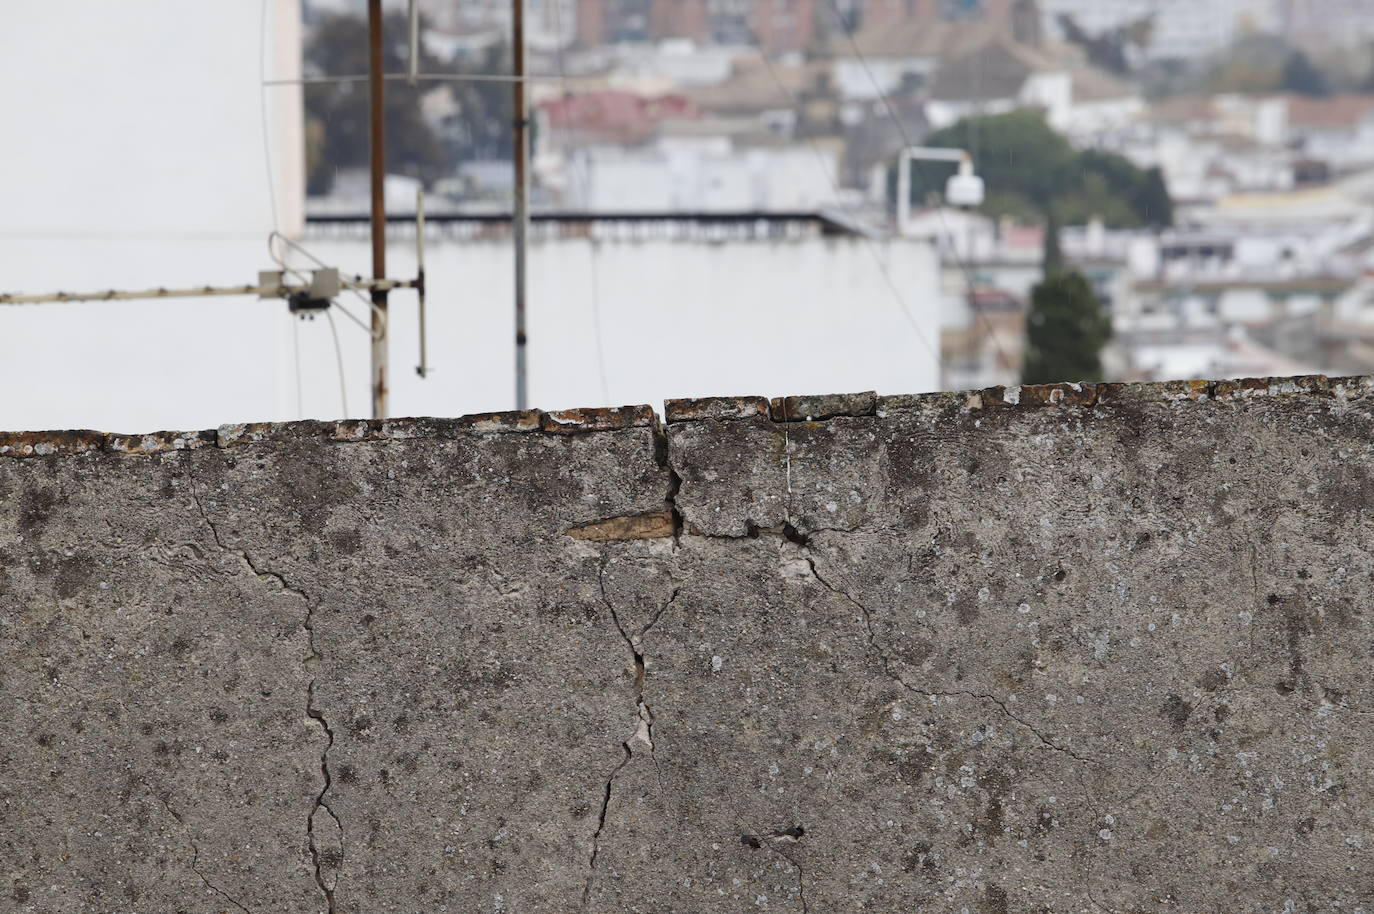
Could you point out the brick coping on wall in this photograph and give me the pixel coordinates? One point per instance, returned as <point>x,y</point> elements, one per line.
<point>809,408</point>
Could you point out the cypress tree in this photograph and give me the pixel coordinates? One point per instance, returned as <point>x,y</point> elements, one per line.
<point>1065,327</point>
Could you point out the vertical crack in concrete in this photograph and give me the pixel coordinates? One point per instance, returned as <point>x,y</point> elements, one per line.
<point>644,720</point>
<point>674,486</point>
<point>195,857</point>
<point>327,780</point>
<point>674,483</point>
<point>322,803</point>
<point>601,824</point>
<point>313,713</point>
<point>801,879</point>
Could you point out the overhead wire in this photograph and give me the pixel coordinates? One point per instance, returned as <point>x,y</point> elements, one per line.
<point>871,245</point>
<point>338,358</point>
<point>426,77</point>
<point>262,93</point>
<point>593,242</point>
<point>296,350</point>
<point>959,263</point>
<point>272,197</point>
<point>380,314</point>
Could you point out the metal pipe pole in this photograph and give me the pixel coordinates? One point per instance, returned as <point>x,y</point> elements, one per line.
<point>414,16</point>
<point>377,157</point>
<point>521,155</point>
<point>903,192</point>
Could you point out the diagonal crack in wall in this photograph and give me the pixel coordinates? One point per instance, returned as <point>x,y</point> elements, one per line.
<point>801,878</point>
<point>318,857</point>
<point>885,661</point>
<point>195,857</point>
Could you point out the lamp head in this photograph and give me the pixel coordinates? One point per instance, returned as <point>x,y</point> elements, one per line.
<point>964,189</point>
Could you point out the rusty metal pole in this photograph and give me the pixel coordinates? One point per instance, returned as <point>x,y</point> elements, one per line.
<point>377,156</point>
<point>521,222</point>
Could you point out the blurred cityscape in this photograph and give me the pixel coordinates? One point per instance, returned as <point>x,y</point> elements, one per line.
<point>1209,163</point>
<point>715,190</point>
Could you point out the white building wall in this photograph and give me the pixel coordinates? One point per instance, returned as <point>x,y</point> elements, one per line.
<point>868,79</point>
<point>142,164</point>
<point>134,158</point>
<point>1090,119</point>
<point>661,319</point>
<point>1344,148</point>
<point>1052,91</point>
<point>701,176</point>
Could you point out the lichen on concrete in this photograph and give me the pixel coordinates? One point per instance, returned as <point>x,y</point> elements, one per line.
<point>1057,648</point>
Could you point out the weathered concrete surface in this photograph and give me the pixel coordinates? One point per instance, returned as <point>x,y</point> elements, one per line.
<point>1102,649</point>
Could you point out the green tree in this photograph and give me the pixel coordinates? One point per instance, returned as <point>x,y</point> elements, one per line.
<point>1053,261</point>
<point>338,47</point>
<point>337,113</point>
<point>1065,327</point>
<point>1152,201</point>
<point>1028,168</point>
<point>1017,154</point>
<point>486,110</point>
<point>1254,63</point>
<point>1113,188</point>
<point>1300,76</point>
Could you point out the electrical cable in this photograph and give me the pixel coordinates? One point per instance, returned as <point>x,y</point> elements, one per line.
<point>596,321</point>
<point>381,315</point>
<point>296,349</point>
<point>429,77</point>
<point>871,245</point>
<point>338,357</point>
<point>262,92</point>
<point>959,263</point>
<point>272,200</point>
<point>349,314</point>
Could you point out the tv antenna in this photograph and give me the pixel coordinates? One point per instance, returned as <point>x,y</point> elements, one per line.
<point>305,297</point>
<point>309,296</point>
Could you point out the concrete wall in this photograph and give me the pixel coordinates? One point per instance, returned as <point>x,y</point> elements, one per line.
<point>1050,649</point>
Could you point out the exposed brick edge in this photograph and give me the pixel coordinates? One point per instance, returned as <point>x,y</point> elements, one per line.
<point>1036,396</point>
<point>566,422</point>
<point>698,408</point>
<point>825,406</point>
<point>581,421</point>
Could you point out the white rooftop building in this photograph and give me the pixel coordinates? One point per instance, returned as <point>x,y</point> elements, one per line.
<point>144,151</point>
<point>153,156</point>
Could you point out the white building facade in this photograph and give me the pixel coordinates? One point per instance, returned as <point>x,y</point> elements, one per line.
<point>639,313</point>
<point>153,156</point>
<point>150,155</point>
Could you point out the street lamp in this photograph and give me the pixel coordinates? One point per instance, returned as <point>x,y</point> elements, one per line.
<point>964,188</point>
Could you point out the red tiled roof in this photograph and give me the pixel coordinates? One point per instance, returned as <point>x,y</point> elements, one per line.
<point>1332,111</point>
<point>611,110</point>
